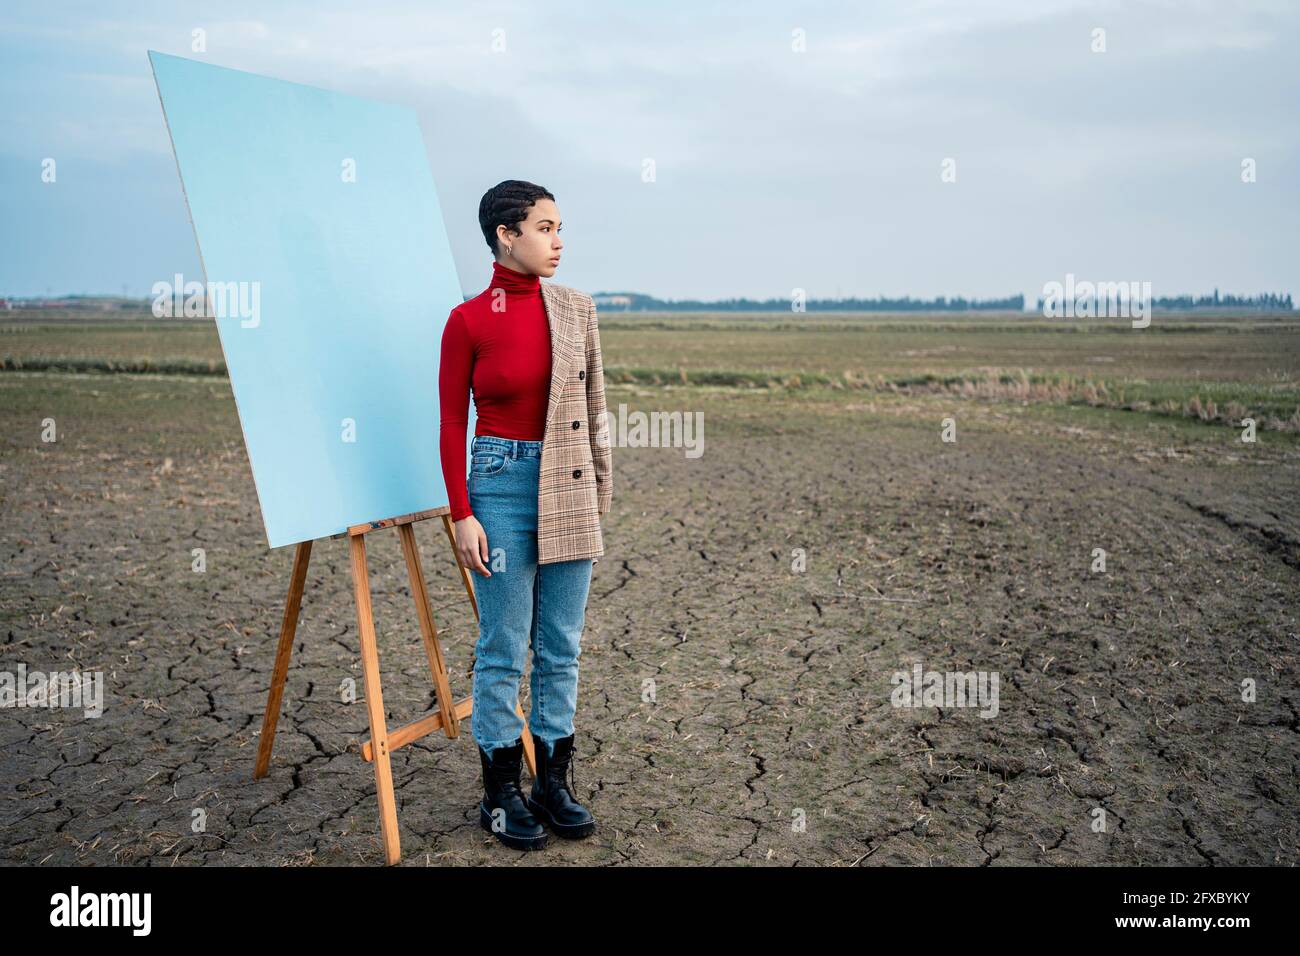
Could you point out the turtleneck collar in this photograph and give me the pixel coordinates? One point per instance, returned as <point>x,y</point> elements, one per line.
<point>514,283</point>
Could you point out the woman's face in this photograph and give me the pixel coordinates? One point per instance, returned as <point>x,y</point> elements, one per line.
<point>537,249</point>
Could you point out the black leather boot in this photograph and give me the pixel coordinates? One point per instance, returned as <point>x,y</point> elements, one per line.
<point>518,828</point>
<point>552,798</point>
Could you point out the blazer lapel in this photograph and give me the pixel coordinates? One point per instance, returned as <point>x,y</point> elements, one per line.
<point>561,321</point>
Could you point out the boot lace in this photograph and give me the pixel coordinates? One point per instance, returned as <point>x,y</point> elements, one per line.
<point>572,782</point>
<point>573,779</point>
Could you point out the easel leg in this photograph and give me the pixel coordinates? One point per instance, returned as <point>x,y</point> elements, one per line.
<point>288,628</point>
<point>432,649</point>
<point>375,702</point>
<point>529,757</point>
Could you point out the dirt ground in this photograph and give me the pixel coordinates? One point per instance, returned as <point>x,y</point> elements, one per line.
<point>732,708</point>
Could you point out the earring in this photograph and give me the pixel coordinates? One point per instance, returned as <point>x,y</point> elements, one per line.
<point>510,250</point>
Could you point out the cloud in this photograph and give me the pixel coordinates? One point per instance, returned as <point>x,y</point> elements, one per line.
<point>769,161</point>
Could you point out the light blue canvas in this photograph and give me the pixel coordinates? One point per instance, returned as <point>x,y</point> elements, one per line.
<point>355,283</point>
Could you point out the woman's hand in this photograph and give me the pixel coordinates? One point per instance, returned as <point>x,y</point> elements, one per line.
<point>472,544</point>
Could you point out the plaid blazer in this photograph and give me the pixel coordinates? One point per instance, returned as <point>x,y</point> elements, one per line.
<point>575,485</point>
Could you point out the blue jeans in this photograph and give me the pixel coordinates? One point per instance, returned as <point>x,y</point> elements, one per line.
<point>523,604</point>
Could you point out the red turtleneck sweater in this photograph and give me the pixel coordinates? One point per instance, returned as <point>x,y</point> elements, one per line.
<point>500,343</point>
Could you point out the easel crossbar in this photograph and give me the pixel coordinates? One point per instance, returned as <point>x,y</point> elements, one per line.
<point>379,747</point>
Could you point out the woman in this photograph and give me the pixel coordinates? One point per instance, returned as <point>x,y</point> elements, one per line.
<point>528,519</point>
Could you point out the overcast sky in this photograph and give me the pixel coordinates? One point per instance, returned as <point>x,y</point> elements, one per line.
<point>775,168</point>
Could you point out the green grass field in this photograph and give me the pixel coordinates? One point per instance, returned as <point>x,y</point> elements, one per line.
<point>1215,368</point>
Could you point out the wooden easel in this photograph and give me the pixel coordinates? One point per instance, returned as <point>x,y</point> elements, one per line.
<point>381,744</point>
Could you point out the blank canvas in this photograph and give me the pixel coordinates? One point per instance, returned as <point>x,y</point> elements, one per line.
<point>327,203</point>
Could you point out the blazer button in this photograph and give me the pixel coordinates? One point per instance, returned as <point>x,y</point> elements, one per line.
<point>582,373</point>
<point>577,473</point>
<point>575,424</point>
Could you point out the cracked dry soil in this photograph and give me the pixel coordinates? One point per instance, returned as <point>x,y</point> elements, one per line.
<point>731,709</point>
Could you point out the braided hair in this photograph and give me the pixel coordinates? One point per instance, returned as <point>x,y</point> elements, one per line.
<point>507,204</point>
